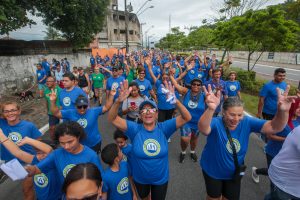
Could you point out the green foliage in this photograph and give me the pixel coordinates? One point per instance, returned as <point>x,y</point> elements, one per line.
<point>172,41</point>
<point>251,102</point>
<point>78,20</point>
<point>13,15</point>
<point>52,34</point>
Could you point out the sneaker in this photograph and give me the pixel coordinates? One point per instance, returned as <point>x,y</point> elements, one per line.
<point>181,157</point>
<point>194,157</point>
<point>255,177</point>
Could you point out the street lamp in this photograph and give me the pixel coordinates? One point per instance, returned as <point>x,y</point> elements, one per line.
<point>145,10</point>
<point>142,6</point>
<point>147,32</point>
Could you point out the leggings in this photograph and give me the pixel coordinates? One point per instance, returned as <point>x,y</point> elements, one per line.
<point>158,192</point>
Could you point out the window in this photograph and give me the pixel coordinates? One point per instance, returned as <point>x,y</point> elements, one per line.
<point>114,7</point>
<point>115,31</point>
<point>122,17</point>
<point>122,31</point>
<point>131,32</point>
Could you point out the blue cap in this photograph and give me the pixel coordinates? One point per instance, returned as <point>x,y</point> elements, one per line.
<point>81,101</point>
<point>147,102</point>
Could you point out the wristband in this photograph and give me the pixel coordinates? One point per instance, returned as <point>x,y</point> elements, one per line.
<point>4,141</point>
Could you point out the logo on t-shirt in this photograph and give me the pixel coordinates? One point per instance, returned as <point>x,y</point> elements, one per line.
<point>115,86</point>
<point>142,88</point>
<point>151,147</point>
<point>199,75</point>
<point>192,104</point>
<point>236,144</point>
<point>232,88</point>
<point>39,74</point>
<point>83,122</point>
<point>15,137</point>
<point>67,169</point>
<point>192,71</point>
<point>67,101</point>
<point>281,91</point>
<point>41,180</point>
<point>124,158</point>
<point>122,187</point>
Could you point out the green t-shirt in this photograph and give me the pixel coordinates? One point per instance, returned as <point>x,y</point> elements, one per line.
<point>47,92</point>
<point>98,80</point>
<point>131,75</point>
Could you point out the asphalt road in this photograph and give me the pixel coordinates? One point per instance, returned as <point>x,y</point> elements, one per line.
<point>186,180</point>
<point>291,74</point>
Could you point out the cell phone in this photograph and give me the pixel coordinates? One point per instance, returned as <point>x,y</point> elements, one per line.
<point>132,104</point>
<point>299,86</point>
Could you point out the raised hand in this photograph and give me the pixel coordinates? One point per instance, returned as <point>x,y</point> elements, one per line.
<point>169,90</point>
<point>53,95</point>
<point>285,101</point>
<point>212,100</point>
<point>124,91</point>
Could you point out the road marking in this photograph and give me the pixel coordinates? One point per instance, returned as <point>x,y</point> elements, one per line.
<point>270,66</point>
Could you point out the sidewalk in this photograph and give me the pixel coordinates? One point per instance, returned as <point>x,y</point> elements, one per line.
<point>290,66</point>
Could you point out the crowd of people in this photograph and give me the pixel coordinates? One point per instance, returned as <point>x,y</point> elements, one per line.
<point>149,95</point>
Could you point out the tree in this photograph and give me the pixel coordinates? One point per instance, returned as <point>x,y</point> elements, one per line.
<point>52,34</point>
<point>172,41</point>
<point>201,37</point>
<point>78,20</point>
<point>262,30</point>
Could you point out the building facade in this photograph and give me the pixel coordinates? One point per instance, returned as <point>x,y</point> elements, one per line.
<point>113,34</point>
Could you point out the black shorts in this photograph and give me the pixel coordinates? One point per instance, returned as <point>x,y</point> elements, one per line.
<point>158,192</point>
<point>267,116</point>
<point>216,188</point>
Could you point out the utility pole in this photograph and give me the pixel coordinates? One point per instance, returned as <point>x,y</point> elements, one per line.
<point>126,27</point>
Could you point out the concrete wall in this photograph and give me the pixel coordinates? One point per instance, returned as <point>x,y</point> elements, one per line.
<point>19,72</point>
<point>279,57</point>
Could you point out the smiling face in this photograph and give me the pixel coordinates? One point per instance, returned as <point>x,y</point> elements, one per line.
<point>196,86</point>
<point>135,91</point>
<point>148,114</point>
<point>11,112</point>
<point>232,116</point>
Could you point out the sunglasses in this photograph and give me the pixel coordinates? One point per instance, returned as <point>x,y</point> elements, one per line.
<point>115,70</point>
<point>145,110</point>
<point>80,107</point>
<point>196,84</point>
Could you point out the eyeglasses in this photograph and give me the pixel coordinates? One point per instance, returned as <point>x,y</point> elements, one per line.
<point>92,197</point>
<point>145,110</point>
<point>10,111</point>
<point>142,73</point>
<point>115,70</point>
<point>196,84</point>
<point>80,107</point>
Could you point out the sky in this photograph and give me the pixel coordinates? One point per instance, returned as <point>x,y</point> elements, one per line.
<point>183,13</point>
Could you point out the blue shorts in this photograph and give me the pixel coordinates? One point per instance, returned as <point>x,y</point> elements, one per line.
<point>41,86</point>
<point>53,120</point>
<point>188,132</point>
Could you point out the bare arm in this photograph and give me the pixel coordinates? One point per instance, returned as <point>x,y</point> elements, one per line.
<point>88,81</point>
<point>184,116</point>
<point>109,102</point>
<point>53,108</point>
<point>260,106</point>
<point>179,88</point>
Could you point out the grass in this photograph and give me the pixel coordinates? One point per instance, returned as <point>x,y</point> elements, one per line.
<point>251,103</point>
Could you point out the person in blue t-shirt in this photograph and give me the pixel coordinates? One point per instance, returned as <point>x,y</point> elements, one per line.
<point>16,129</point>
<point>45,185</point>
<point>117,183</point>
<point>86,117</point>
<point>41,79</point>
<point>149,156</point>
<point>193,100</point>
<point>144,84</point>
<point>84,181</point>
<point>71,153</point>
<point>228,138</point>
<point>268,97</point>
<point>70,92</point>
<point>92,61</point>
<point>233,86</point>
<point>218,85</point>
<point>46,66</point>
<point>121,141</point>
<point>113,83</point>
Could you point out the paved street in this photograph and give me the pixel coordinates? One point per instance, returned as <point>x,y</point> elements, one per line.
<point>186,181</point>
<point>268,69</point>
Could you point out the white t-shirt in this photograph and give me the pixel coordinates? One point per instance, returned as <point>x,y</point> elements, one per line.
<point>129,102</point>
<point>284,170</point>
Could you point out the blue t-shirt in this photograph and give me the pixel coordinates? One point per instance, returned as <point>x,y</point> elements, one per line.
<point>126,152</point>
<point>45,185</point>
<point>270,94</point>
<point>233,87</point>
<point>145,86</point>
<point>117,184</point>
<point>92,60</point>
<point>192,74</point>
<point>217,159</point>
<point>161,98</point>
<point>222,86</point>
<point>63,161</point>
<point>196,107</point>
<point>46,66</point>
<point>273,147</point>
<point>89,121</point>
<point>147,74</point>
<point>67,99</point>
<point>16,133</point>
<point>114,83</point>
<point>105,73</point>
<point>149,155</point>
<point>41,73</point>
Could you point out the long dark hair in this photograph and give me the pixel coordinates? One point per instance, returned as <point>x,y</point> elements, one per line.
<point>69,128</point>
<point>133,83</point>
<point>82,171</point>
